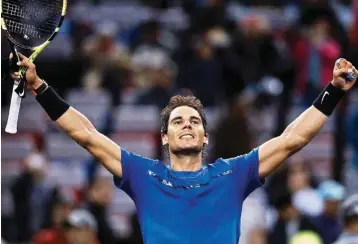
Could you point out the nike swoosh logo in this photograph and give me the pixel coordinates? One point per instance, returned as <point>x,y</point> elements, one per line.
<point>22,93</point>
<point>325,93</point>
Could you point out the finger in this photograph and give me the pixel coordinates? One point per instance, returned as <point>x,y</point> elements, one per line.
<point>10,56</point>
<point>349,65</point>
<point>25,63</point>
<point>341,63</point>
<point>22,57</point>
<point>355,71</point>
<point>15,77</point>
<point>342,71</point>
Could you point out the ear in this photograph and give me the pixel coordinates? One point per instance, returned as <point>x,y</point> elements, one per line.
<point>206,138</point>
<point>164,139</point>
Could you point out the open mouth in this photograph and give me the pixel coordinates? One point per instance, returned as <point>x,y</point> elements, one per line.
<point>186,136</point>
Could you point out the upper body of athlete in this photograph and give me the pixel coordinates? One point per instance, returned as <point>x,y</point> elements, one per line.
<point>350,221</point>
<point>190,201</point>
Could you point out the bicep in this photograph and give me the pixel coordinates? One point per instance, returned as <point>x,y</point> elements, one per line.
<point>106,151</point>
<point>271,154</point>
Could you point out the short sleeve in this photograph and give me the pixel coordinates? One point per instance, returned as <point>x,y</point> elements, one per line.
<point>246,168</point>
<point>134,168</point>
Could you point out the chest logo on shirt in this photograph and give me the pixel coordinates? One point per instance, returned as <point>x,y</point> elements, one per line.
<point>165,182</point>
<point>170,184</point>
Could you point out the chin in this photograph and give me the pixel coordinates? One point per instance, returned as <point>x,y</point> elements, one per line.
<point>188,150</point>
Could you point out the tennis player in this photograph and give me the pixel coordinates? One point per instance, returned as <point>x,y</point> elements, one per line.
<point>189,201</point>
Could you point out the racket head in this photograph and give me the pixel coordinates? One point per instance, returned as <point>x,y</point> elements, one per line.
<point>30,24</point>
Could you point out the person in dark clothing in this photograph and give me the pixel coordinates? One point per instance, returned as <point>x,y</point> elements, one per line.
<point>350,219</point>
<point>328,223</point>
<point>234,125</point>
<point>289,222</point>
<point>100,195</point>
<point>30,197</point>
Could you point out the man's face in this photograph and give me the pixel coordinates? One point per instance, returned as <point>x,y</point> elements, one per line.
<point>332,207</point>
<point>80,236</point>
<point>186,133</point>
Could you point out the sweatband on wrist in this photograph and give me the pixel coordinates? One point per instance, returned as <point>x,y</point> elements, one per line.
<point>52,103</point>
<point>328,99</point>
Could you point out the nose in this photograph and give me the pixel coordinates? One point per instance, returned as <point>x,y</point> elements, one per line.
<point>187,125</point>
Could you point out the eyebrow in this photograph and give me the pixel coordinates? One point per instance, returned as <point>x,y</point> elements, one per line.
<point>180,117</point>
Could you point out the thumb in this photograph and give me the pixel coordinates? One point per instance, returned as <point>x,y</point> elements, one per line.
<point>24,61</point>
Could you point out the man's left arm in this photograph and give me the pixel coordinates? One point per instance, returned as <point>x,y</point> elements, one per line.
<point>304,128</point>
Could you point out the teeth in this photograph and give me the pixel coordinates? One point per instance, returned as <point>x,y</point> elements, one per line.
<point>187,136</point>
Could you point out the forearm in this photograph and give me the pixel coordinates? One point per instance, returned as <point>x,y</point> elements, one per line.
<point>72,122</point>
<point>304,128</point>
<point>76,125</point>
<point>299,133</point>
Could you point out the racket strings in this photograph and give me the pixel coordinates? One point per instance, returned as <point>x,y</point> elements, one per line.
<point>13,10</point>
<point>34,20</point>
<point>22,29</point>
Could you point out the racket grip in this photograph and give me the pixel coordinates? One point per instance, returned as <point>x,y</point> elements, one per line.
<point>351,76</point>
<point>11,125</point>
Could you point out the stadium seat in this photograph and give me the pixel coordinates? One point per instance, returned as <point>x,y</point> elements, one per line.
<point>83,96</point>
<point>67,173</point>
<point>15,147</point>
<point>61,147</point>
<point>32,118</point>
<point>143,144</point>
<point>136,118</point>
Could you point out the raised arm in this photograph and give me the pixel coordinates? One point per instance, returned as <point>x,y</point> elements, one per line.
<point>304,128</point>
<point>72,122</point>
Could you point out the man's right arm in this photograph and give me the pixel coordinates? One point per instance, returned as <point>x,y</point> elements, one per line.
<point>72,122</point>
<point>82,131</point>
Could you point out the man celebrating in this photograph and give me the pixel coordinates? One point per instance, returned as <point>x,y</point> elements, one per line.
<point>189,201</point>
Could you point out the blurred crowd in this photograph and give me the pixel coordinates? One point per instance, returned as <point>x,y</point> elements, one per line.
<point>243,57</point>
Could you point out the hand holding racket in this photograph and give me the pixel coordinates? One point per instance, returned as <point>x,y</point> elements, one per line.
<point>31,26</point>
<point>33,81</point>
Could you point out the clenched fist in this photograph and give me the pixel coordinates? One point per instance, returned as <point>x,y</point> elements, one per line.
<point>342,68</point>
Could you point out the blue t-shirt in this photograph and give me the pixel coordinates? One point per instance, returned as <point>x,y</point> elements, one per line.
<point>189,207</point>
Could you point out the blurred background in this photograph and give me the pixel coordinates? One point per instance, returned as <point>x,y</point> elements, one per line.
<point>255,65</point>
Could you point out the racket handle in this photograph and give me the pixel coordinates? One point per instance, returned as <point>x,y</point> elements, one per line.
<point>11,125</point>
<point>351,76</point>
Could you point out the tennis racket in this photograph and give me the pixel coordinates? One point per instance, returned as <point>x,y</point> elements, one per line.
<point>29,25</point>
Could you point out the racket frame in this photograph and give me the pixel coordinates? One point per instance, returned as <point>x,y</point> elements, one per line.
<point>14,109</point>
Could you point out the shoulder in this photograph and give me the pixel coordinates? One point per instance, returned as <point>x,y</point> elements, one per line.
<point>253,155</point>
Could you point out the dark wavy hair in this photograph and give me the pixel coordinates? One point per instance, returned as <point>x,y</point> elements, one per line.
<point>178,101</point>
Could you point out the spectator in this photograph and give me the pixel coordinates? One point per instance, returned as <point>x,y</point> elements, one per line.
<point>30,197</point>
<point>80,228</point>
<point>234,125</point>
<point>100,194</point>
<point>328,222</point>
<point>155,74</point>
<point>314,56</point>
<point>350,220</point>
<point>199,68</point>
<point>54,232</point>
<point>289,221</point>
<point>351,179</point>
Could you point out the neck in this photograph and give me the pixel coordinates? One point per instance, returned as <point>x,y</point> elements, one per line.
<point>186,162</point>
